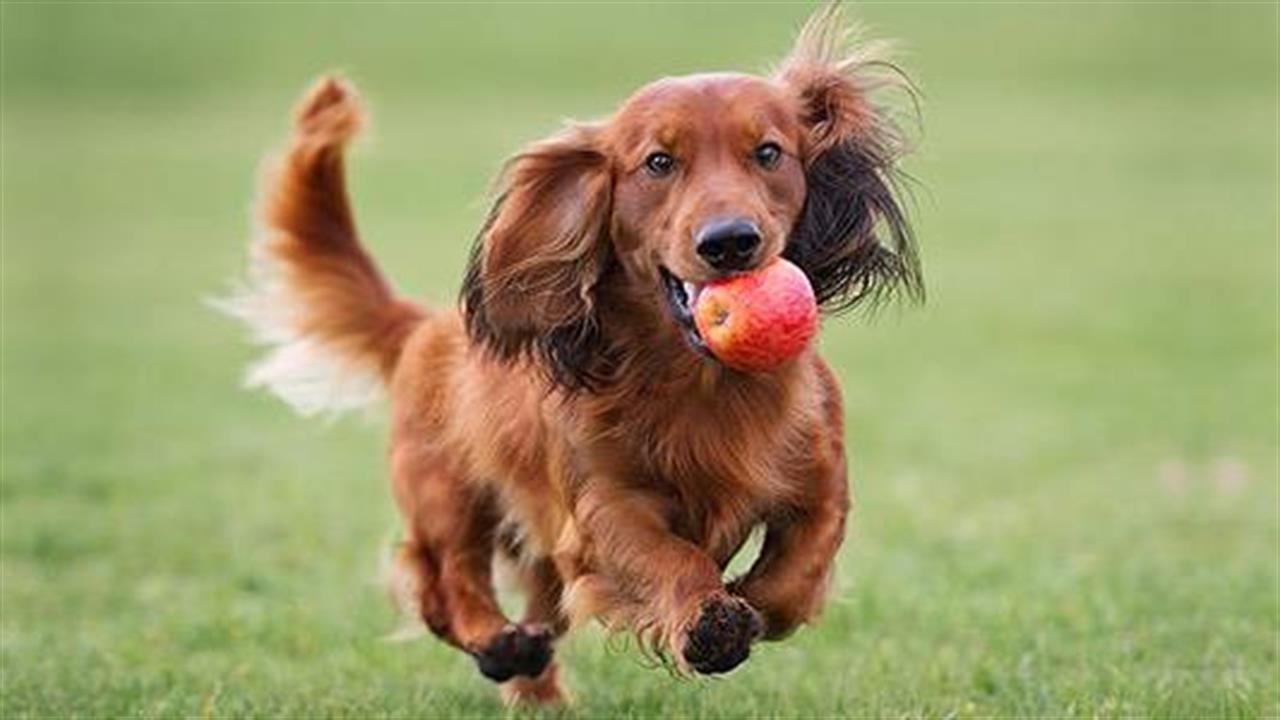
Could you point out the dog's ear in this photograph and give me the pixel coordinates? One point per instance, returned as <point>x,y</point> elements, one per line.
<point>530,287</point>
<point>852,238</point>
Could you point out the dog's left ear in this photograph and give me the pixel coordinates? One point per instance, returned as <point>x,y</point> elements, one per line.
<point>530,287</point>
<point>852,238</point>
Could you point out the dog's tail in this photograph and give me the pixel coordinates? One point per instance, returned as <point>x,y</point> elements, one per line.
<point>313,295</point>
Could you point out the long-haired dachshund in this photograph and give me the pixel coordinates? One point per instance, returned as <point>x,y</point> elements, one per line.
<point>564,415</point>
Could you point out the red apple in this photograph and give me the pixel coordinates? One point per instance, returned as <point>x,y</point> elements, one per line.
<point>757,321</point>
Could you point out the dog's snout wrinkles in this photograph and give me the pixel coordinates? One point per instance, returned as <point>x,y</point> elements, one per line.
<point>728,244</point>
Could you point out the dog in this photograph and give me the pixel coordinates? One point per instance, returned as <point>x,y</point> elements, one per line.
<point>566,415</point>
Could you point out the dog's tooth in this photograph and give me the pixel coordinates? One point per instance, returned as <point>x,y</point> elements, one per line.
<point>690,291</point>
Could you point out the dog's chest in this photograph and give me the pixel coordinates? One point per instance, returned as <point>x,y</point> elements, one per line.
<point>723,460</point>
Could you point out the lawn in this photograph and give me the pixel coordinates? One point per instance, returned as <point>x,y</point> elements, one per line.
<point>1066,461</point>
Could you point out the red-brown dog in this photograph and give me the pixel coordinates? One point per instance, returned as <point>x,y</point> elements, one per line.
<point>565,415</point>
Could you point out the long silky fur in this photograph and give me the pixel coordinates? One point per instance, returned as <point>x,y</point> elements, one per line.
<point>332,323</point>
<point>573,355</point>
<point>853,238</point>
<point>571,352</point>
<point>836,241</point>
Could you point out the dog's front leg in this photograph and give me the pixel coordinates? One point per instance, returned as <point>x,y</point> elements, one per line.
<point>788,582</point>
<point>677,586</point>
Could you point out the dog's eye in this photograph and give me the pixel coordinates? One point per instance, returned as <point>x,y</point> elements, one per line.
<point>768,154</point>
<point>659,164</point>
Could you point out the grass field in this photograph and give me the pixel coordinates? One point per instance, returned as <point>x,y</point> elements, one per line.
<point>1066,461</point>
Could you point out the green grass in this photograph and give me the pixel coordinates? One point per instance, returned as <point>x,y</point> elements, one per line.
<point>1065,462</point>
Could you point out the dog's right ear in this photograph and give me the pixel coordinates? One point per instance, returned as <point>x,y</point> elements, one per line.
<point>530,286</point>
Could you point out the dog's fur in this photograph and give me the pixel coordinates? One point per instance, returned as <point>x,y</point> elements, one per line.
<point>560,416</point>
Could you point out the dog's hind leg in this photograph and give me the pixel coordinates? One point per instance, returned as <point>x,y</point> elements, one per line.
<point>451,524</point>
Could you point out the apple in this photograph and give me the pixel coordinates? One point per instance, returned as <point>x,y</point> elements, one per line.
<point>759,320</point>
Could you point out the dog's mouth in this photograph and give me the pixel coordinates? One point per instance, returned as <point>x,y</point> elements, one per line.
<point>682,295</point>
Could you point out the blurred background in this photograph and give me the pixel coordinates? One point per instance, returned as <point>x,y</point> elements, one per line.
<point>1065,461</point>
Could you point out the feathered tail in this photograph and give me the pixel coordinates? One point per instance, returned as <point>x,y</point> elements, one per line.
<point>313,295</point>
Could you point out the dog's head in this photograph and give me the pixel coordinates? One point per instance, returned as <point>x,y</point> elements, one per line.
<point>691,179</point>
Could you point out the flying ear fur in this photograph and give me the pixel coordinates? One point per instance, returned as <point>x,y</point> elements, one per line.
<point>530,285</point>
<point>852,239</point>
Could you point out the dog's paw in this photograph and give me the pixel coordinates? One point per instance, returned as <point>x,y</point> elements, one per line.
<point>521,650</point>
<point>720,638</point>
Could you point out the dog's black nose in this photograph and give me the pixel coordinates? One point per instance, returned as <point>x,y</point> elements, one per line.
<point>728,244</point>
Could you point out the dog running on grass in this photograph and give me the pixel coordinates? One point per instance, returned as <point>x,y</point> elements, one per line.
<point>563,415</point>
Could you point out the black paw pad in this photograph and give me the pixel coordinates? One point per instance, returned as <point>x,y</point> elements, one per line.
<point>517,650</point>
<point>721,637</point>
